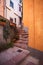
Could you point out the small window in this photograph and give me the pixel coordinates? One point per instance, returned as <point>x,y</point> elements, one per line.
<point>20,20</point>
<point>19,8</point>
<point>11,4</point>
<point>20,1</point>
<point>15,20</point>
<point>11,20</point>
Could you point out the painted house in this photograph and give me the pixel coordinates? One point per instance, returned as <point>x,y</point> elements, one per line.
<point>12,10</point>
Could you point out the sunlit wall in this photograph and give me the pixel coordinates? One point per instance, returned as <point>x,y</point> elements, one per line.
<point>33,19</point>
<point>1,7</point>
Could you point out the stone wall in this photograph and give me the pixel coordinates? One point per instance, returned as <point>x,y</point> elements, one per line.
<point>1,34</point>
<point>2,40</point>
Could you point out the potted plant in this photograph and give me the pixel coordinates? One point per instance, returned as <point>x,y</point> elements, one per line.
<point>2,21</point>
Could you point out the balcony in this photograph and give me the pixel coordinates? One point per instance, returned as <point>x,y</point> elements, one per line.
<point>4,20</point>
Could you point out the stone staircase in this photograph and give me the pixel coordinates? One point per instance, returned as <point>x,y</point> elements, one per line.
<point>23,40</point>
<point>18,55</point>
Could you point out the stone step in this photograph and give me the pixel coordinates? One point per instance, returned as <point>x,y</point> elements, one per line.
<point>21,45</point>
<point>19,41</point>
<point>25,36</point>
<point>24,33</point>
<point>17,54</point>
<point>20,57</point>
<point>29,60</point>
<point>24,40</point>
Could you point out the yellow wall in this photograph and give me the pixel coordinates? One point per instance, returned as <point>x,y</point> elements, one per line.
<point>33,19</point>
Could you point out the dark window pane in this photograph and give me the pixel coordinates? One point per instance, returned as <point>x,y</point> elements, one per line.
<point>15,20</point>
<point>20,20</point>
<point>11,4</point>
<point>20,1</point>
<point>11,20</point>
<point>19,8</point>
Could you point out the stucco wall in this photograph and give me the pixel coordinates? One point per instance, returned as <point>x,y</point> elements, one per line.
<point>7,11</point>
<point>28,20</point>
<point>33,19</point>
<point>2,40</point>
<point>1,34</point>
<point>39,24</point>
<point>13,12</point>
<point>13,16</point>
<point>1,8</point>
<point>16,6</point>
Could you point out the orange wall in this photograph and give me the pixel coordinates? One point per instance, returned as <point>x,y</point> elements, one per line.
<point>1,7</point>
<point>39,24</point>
<point>28,20</point>
<point>33,19</point>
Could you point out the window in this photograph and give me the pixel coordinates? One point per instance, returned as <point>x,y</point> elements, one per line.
<point>11,4</point>
<point>15,20</point>
<point>19,8</point>
<point>11,20</point>
<point>20,20</point>
<point>20,1</point>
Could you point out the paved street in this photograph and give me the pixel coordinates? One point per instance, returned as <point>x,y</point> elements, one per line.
<point>17,56</point>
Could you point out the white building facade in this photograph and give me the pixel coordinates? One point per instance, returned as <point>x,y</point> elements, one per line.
<point>13,11</point>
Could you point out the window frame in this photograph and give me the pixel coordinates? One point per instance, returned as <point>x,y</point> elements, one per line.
<point>20,1</point>
<point>19,8</point>
<point>11,4</point>
<point>11,19</point>
<point>15,20</point>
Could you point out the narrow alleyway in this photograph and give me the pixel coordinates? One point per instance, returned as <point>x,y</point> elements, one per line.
<point>18,55</point>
